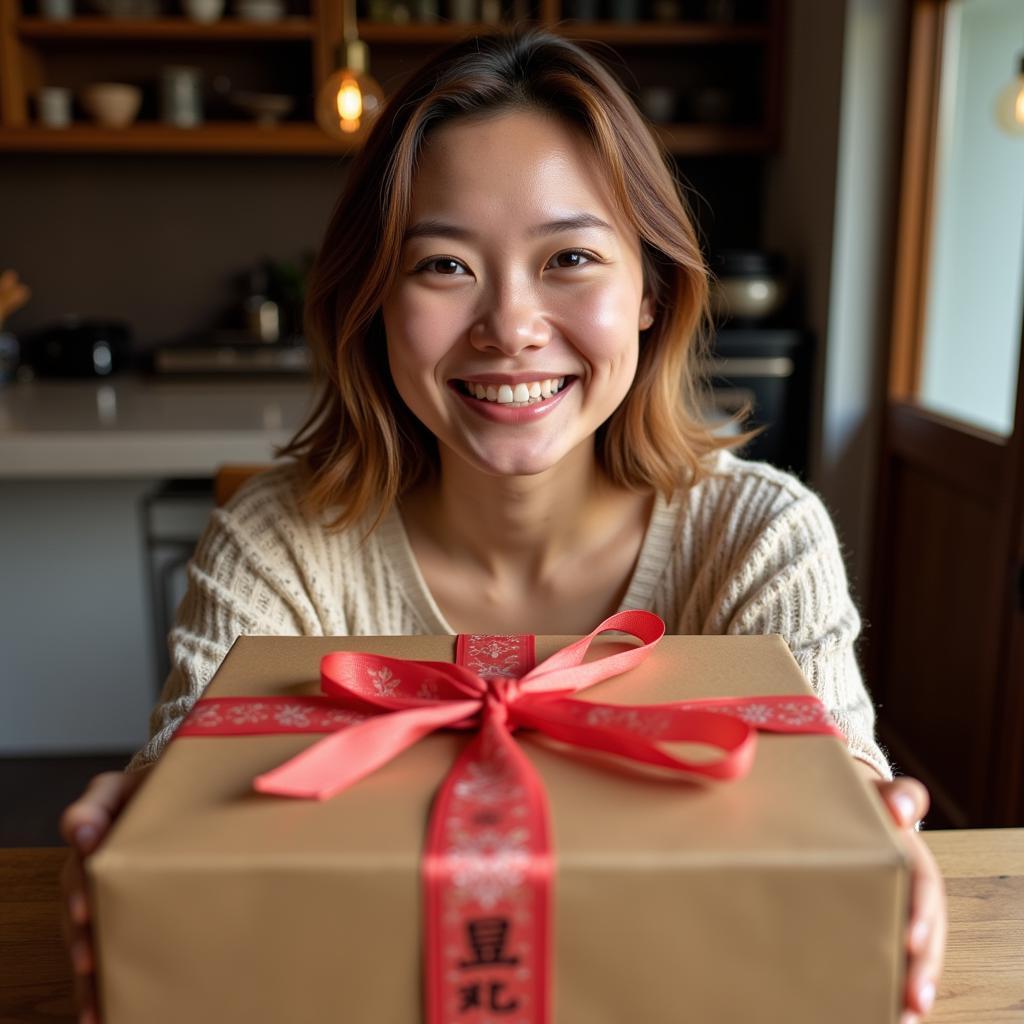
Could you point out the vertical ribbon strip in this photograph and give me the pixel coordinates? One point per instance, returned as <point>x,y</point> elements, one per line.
<point>487,869</point>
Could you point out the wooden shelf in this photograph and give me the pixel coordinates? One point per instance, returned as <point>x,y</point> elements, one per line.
<point>653,33</point>
<point>306,139</point>
<point>650,33</point>
<point>226,138</point>
<point>113,29</point>
<point>33,50</point>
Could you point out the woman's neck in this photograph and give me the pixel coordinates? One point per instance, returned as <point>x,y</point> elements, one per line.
<point>515,529</point>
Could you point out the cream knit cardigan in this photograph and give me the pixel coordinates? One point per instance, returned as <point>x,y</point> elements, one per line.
<point>748,550</point>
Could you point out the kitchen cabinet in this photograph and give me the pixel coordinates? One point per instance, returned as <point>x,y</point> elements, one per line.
<point>721,60</point>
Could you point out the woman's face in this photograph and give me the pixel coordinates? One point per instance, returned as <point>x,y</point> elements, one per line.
<point>513,323</point>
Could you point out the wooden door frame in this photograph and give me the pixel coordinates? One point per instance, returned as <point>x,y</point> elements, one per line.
<point>931,438</point>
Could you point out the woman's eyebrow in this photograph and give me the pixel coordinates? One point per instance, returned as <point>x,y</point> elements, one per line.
<point>441,229</point>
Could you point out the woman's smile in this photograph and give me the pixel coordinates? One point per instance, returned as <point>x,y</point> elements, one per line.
<point>507,404</point>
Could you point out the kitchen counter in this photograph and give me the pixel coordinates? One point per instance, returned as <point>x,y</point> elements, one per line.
<point>89,548</point>
<point>132,427</point>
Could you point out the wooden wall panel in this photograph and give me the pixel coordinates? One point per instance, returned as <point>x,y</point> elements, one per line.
<point>939,593</point>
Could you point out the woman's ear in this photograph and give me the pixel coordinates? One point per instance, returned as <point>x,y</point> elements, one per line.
<point>646,314</point>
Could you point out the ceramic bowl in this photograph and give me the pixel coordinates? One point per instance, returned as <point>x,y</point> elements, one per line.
<point>203,10</point>
<point>268,108</point>
<point>111,104</point>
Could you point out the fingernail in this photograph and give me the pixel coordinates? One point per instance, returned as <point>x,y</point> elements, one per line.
<point>77,908</point>
<point>79,955</point>
<point>919,935</point>
<point>905,804</point>
<point>926,995</point>
<point>85,836</point>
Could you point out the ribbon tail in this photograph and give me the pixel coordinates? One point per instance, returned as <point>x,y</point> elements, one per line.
<point>344,757</point>
<point>487,881</point>
<point>639,732</point>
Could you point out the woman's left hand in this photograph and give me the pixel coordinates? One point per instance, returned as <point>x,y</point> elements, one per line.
<point>908,802</point>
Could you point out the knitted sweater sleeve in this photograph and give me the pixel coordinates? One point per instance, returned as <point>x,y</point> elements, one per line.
<point>241,580</point>
<point>792,581</point>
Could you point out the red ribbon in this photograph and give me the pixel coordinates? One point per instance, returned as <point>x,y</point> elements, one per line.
<point>488,865</point>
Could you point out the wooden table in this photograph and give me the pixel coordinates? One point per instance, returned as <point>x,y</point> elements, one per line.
<point>983,982</point>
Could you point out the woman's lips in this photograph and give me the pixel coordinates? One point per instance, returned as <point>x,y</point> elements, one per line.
<point>498,413</point>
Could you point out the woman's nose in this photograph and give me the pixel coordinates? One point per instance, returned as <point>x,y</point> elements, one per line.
<point>510,329</point>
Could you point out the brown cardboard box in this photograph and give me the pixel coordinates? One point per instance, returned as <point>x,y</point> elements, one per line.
<point>778,897</point>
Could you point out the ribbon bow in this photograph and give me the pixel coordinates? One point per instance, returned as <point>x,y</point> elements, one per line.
<point>406,700</point>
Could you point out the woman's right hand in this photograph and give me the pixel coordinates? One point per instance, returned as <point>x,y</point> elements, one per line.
<point>83,826</point>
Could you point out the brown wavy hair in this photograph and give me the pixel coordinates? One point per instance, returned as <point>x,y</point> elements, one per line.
<point>361,448</point>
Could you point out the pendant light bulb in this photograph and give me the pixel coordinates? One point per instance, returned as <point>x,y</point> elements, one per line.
<point>1010,103</point>
<point>349,100</point>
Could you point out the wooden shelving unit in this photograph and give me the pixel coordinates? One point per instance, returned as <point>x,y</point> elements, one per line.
<point>33,50</point>
<point>213,137</point>
<point>132,29</point>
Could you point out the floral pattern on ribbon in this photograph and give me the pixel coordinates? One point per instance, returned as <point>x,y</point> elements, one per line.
<point>240,716</point>
<point>490,656</point>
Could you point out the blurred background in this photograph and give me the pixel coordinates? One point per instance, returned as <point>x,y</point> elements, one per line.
<point>167,168</point>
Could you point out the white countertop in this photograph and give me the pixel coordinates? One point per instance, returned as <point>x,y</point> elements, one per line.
<point>143,427</point>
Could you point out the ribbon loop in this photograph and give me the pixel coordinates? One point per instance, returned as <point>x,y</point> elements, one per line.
<point>564,671</point>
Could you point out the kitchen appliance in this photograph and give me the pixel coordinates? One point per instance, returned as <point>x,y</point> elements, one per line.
<point>77,347</point>
<point>769,370</point>
<point>748,285</point>
<point>230,352</point>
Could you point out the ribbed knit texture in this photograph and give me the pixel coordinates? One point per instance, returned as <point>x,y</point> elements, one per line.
<point>748,550</point>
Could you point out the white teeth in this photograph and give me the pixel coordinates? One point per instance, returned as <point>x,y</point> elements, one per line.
<point>520,394</point>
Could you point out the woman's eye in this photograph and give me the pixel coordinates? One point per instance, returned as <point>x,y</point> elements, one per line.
<point>445,265</point>
<point>577,257</point>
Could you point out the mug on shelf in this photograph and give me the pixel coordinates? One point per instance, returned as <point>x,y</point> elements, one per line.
<point>57,10</point>
<point>463,10</point>
<point>53,106</point>
<point>658,102</point>
<point>181,96</point>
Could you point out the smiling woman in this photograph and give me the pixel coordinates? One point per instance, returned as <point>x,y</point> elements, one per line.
<point>510,185</point>
<point>506,313</point>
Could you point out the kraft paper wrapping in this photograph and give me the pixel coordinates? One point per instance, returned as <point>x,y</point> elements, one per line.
<point>781,896</point>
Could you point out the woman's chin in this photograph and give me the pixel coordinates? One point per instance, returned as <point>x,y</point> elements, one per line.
<point>514,460</point>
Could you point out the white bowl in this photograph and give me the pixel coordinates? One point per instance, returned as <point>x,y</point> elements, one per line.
<point>203,10</point>
<point>111,104</point>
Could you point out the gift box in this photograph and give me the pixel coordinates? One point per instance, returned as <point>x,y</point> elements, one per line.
<point>781,895</point>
